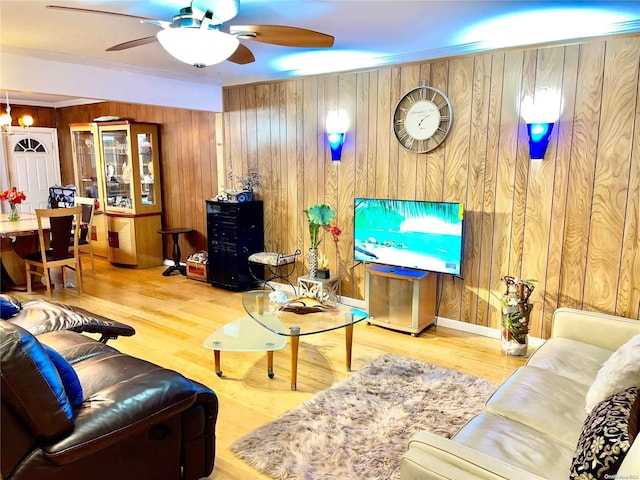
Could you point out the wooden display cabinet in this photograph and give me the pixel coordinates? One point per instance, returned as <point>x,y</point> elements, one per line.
<point>129,172</point>
<point>130,178</point>
<point>399,298</point>
<point>85,150</point>
<point>117,163</point>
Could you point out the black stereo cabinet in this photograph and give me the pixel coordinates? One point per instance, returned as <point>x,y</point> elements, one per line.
<point>234,231</point>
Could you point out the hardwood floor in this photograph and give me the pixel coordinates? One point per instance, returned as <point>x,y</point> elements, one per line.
<point>173,315</point>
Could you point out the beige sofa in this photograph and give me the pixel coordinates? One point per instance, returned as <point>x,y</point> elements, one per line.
<point>530,426</point>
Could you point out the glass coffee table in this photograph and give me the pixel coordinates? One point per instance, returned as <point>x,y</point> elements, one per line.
<point>298,317</point>
<point>267,327</point>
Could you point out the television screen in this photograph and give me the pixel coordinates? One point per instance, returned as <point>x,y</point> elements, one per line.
<point>409,233</point>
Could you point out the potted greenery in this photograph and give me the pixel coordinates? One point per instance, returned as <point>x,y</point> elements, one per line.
<point>516,310</point>
<point>243,186</point>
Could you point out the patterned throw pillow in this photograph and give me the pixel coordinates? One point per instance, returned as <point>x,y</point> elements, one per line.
<point>607,435</point>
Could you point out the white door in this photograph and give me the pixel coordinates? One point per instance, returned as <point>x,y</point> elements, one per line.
<point>33,165</point>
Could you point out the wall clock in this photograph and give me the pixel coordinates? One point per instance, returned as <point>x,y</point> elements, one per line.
<point>422,119</point>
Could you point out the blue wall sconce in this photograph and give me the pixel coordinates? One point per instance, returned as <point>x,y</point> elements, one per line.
<point>541,115</point>
<point>337,125</point>
<point>336,140</point>
<point>539,134</point>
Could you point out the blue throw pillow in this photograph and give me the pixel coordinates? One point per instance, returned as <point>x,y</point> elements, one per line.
<point>68,376</point>
<point>49,372</point>
<point>9,306</point>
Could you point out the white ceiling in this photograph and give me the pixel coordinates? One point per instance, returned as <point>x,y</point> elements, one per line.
<point>367,33</point>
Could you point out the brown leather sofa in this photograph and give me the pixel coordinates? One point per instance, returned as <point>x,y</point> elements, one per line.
<point>131,420</point>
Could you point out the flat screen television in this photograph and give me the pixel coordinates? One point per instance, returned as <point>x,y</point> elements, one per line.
<point>409,233</point>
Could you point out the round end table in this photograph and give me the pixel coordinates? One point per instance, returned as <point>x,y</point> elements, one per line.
<point>177,254</point>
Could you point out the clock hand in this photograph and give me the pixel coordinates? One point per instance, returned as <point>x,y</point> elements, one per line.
<point>424,118</point>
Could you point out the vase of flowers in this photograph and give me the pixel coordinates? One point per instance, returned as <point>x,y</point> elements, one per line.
<point>516,311</point>
<point>14,197</point>
<point>319,216</point>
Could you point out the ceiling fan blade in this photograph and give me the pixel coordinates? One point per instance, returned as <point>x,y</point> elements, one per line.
<point>132,43</point>
<point>100,12</point>
<point>242,56</point>
<point>283,35</point>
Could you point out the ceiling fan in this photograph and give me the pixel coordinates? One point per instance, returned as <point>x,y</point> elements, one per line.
<point>196,36</point>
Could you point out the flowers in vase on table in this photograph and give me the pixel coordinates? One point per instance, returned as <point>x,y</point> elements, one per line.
<point>13,196</point>
<point>320,216</point>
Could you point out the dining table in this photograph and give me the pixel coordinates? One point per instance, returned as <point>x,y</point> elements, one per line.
<point>17,238</point>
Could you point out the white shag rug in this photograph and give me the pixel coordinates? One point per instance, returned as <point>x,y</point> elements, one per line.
<point>359,428</point>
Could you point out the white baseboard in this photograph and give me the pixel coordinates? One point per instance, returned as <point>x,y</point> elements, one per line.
<point>480,330</point>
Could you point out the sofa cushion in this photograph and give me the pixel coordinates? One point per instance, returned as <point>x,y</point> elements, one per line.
<point>607,435</point>
<point>517,445</point>
<point>68,375</point>
<point>620,371</point>
<point>576,360</point>
<point>544,401</point>
<point>9,306</point>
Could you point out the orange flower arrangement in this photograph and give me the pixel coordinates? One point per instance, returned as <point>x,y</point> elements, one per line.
<point>13,196</point>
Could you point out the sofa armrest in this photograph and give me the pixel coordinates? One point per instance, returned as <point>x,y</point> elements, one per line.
<point>599,329</point>
<point>41,316</point>
<point>123,410</point>
<point>432,457</point>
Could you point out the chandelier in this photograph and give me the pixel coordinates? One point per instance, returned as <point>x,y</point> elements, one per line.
<point>6,128</point>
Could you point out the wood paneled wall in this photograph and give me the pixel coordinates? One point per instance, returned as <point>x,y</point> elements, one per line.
<point>571,221</point>
<point>188,160</point>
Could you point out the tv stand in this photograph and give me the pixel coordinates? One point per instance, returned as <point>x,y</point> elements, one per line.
<point>399,298</point>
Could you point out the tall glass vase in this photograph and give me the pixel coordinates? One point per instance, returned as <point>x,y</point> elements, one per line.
<point>14,215</point>
<point>515,324</point>
<point>313,262</point>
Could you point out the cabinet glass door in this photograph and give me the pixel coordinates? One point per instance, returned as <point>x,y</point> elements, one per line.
<point>118,169</point>
<point>84,150</point>
<point>147,174</point>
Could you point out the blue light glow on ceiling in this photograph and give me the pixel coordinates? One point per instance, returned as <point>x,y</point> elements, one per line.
<point>325,61</point>
<point>545,25</point>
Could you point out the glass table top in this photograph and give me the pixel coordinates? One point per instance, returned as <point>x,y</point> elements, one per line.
<point>282,319</point>
<point>244,335</point>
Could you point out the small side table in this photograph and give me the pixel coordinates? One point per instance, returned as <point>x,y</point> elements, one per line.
<point>177,254</point>
<point>325,290</point>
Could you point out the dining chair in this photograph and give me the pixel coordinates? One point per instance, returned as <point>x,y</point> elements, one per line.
<point>55,226</point>
<point>85,244</point>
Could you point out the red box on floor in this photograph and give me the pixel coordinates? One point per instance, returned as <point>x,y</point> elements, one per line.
<point>197,266</point>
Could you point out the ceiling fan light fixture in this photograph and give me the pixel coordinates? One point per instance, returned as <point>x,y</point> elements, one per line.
<point>198,46</point>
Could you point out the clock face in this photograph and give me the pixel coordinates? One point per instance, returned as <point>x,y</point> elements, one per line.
<point>422,119</point>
